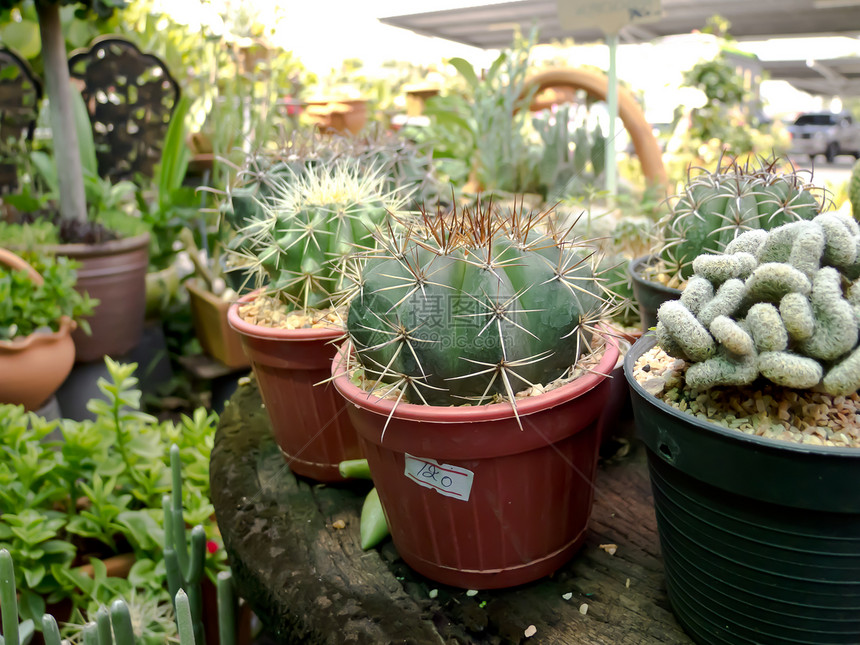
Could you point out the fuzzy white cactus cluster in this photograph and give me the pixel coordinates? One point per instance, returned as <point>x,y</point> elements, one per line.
<point>783,304</point>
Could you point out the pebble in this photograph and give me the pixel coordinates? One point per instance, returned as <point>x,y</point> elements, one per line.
<point>803,416</point>
<point>531,630</point>
<point>583,608</point>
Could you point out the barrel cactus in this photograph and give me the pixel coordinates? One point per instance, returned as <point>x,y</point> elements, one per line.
<point>716,207</point>
<point>783,305</point>
<point>470,305</point>
<point>295,227</point>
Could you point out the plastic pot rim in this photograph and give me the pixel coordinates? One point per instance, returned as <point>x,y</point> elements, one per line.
<point>635,271</point>
<point>476,413</point>
<point>270,333</point>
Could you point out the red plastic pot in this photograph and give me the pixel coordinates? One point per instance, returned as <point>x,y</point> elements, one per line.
<point>309,421</point>
<point>525,511</point>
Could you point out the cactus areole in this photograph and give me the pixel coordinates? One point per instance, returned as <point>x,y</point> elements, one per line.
<point>467,306</point>
<point>714,208</point>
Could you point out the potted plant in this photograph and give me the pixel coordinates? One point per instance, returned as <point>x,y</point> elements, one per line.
<point>457,328</point>
<point>81,502</point>
<point>712,210</point>
<point>222,273</point>
<point>38,312</point>
<point>113,263</point>
<point>295,227</point>
<point>748,405</point>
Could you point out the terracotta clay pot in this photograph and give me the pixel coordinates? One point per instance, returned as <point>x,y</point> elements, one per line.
<point>216,336</point>
<point>33,367</point>
<point>309,421</point>
<point>115,273</point>
<point>473,500</point>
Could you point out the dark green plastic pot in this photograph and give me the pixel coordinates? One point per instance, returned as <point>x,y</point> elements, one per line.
<point>760,537</point>
<point>649,294</point>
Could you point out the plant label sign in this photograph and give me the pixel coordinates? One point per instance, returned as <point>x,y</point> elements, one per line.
<point>451,481</point>
<point>607,15</point>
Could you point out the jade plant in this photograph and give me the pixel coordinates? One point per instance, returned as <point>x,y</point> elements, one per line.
<point>294,227</point>
<point>472,305</point>
<point>715,207</point>
<point>781,304</point>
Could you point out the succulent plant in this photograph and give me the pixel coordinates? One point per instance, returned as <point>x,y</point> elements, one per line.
<point>715,208</point>
<point>469,305</point>
<point>783,304</point>
<point>296,227</point>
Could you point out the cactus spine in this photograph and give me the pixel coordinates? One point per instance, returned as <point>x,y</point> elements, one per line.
<point>470,305</point>
<point>295,228</point>
<point>784,305</point>
<point>715,208</point>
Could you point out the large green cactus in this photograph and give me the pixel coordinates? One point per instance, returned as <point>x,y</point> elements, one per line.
<point>784,305</point>
<point>297,227</point>
<point>717,207</point>
<point>469,305</point>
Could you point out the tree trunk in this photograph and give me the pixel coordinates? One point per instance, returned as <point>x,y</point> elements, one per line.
<point>73,204</point>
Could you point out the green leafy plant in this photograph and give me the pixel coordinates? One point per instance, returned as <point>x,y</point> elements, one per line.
<point>472,305</point>
<point>480,134</point>
<point>173,206</point>
<point>782,304</point>
<point>98,492</point>
<point>26,307</point>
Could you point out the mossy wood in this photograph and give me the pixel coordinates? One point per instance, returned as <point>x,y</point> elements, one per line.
<point>311,583</point>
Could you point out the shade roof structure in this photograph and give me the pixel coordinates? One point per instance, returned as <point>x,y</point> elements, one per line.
<point>830,77</point>
<point>492,26</point>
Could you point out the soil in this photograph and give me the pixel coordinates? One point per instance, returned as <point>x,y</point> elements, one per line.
<point>271,312</point>
<point>68,231</point>
<point>763,408</point>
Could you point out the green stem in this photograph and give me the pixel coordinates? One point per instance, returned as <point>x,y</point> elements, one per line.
<point>183,619</point>
<point>50,631</point>
<point>226,609</point>
<point>8,599</point>
<point>120,619</point>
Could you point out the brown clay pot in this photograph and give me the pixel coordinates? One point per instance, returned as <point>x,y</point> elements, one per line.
<point>216,336</point>
<point>526,509</point>
<point>115,273</point>
<point>33,367</point>
<point>309,420</point>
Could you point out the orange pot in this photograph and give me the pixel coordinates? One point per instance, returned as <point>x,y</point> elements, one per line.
<point>34,366</point>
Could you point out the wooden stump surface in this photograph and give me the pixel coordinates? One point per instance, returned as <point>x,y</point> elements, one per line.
<point>311,583</point>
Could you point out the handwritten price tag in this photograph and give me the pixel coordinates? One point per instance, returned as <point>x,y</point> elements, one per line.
<point>450,481</point>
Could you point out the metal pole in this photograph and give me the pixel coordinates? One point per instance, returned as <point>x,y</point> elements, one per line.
<point>612,106</point>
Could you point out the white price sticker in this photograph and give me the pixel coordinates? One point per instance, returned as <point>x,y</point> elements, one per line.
<point>450,481</point>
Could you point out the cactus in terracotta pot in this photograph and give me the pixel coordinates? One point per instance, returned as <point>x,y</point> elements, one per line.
<point>466,306</point>
<point>715,207</point>
<point>783,304</point>
<point>297,227</point>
